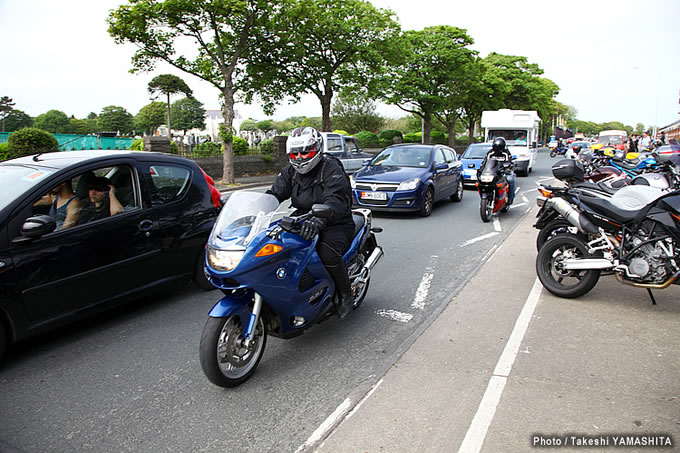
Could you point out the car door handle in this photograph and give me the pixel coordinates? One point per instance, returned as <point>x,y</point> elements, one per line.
<point>145,225</point>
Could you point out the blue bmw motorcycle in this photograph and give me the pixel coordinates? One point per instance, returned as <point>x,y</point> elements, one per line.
<point>273,280</point>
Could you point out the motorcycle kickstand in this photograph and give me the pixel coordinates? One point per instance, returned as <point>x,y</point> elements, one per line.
<point>649,291</point>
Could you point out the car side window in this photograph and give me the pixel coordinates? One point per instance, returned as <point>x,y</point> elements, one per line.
<point>168,183</point>
<point>439,157</point>
<point>352,146</point>
<point>334,144</point>
<point>449,155</point>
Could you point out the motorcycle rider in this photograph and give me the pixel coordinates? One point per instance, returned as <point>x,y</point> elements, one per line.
<point>314,177</point>
<point>500,151</point>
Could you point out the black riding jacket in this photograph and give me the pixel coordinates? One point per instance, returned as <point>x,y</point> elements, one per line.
<point>327,183</point>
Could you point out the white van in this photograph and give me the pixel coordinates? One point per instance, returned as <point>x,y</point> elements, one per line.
<point>519,128</point>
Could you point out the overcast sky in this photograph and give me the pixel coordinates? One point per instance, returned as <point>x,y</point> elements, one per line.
<point>613,60</point>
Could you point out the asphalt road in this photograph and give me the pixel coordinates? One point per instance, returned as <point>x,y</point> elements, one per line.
<point>130,380</point>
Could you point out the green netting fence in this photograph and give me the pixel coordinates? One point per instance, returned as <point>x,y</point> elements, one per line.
<point>75,142</point>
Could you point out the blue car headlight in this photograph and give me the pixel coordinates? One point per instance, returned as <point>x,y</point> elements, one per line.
<point>409,184</point>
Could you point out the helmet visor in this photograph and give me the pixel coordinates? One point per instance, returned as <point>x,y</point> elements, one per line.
<point>305,152</point>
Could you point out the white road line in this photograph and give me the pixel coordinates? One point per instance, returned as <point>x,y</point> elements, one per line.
<point>363,400</point>
<point>480,238</point>
<point>525,199</point>
<point>474,438</point>
<point>518,205</point>
<point>497,224</point>
<point>321,431</point>
<point>424,287</point>
<point>394,315</point>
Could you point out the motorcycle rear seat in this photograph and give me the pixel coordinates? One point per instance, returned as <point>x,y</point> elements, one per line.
<point>358,223</point>
<point>599,186</point>
<point>606,208</point>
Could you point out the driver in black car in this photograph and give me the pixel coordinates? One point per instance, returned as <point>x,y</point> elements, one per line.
<point>314,177</point>
<point>500,151</point>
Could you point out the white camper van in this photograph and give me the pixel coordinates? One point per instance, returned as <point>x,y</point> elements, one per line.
<point>519,128</point>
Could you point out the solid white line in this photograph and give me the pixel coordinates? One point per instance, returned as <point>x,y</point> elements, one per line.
<point>489,253</point>
<point>476,433</point>
<point>423,288</point>
<point>518,205</point>
<point>497,224</point>
<point>394,315</point>
<point>525,199</point>
<point>363,400</point>
<point>325,426</point>
<point>480,238</point>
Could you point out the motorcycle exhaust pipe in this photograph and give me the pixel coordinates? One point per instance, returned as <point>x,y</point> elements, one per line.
<point>587,264</point>
<point>372,260</point>
<point>573,216</point>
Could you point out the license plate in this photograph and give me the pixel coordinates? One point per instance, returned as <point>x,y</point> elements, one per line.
<point>374,196</point>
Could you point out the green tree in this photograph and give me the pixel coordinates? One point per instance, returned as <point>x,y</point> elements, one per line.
<point>31,140</point>
<point>168,85</point>
<point>92,116</point>
<point>422,84</point>
<point>319,47</point>
<point>220,33</point>
<point>356,113</point>
<point>248,125</point>
<point>16,120</point>
<point>151,117</point>
<point>115,119</point>
<point>639,128</point>
<point>83,127</point>
<point>188,113</point>
<point>6,107</point>
<point>53,121</point>
<point>265,125</point>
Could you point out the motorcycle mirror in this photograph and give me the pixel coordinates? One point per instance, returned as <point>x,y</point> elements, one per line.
<point>321,210</point>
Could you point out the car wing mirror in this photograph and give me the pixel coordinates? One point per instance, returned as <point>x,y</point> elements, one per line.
<point>366,162</point>
<point>35,227</point>
<point>321,210</point>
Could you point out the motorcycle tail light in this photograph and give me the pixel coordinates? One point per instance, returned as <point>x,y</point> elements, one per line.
<point>269,249</point>
<point>545,193</point>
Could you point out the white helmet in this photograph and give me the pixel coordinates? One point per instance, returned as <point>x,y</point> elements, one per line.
<point>304,148</point>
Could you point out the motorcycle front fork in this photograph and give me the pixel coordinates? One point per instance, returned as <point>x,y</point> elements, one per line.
<point>254,316</point>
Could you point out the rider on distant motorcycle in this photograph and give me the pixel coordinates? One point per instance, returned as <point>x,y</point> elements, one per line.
<point>313,177</point>
<point>500,151</point>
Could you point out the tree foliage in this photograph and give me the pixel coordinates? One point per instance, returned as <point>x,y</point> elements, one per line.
<point>354,114</point>
<point>83,127</point>
<point>6,107</point>
<point>31,140</point>
<point>150,117</point>
<point>428,79</point>
<point>54,121</point>
<point>114,118</point>
<point>16,120</point>
<point>221,33</point>
<point>187,113</point>
<point>168,85</point>
<point>320,47</point>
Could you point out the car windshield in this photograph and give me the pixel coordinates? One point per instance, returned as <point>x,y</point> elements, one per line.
<point>403,156</point>
<point>16,180</point>
<point>512,137</point>
<point>476,152</point>
<point>581,144</point>
<point>611,139</point>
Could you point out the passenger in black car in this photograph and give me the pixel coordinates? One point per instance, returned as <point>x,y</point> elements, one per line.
<point>101,202</point>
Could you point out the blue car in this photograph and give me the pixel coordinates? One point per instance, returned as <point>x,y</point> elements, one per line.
<point>408,177</point>
<point>472,159</point>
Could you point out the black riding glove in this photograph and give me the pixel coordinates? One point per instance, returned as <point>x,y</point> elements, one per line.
<point>311,228</point>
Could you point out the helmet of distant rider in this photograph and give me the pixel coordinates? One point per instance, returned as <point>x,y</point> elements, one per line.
<point>498,144</point>
<point>304,148</point>
<point>576,148</point>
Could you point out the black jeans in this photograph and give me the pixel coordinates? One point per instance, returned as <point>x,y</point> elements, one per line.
<point>333,243</point>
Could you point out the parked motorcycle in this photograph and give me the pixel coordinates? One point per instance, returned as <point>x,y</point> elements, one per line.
<point>493,188</point>
<point>635,234</point>
<point>273,280</point>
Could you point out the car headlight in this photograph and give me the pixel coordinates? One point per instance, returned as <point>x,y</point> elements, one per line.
<point>409,184</point>
<point>224,260</point>
<point>486,178</point>
<point>352,182</point>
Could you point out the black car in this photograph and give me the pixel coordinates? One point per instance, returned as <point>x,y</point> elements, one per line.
<point>63,254</point>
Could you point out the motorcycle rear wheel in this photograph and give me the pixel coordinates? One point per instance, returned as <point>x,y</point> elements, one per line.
<point>552,229</point>
<point>225,359</point>
<point>549,267</point>
<point>486,209</point>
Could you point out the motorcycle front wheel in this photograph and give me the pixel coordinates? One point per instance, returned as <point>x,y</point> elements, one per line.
<point>550,267</point>
<point>486,208</point>
<point>225,358</point>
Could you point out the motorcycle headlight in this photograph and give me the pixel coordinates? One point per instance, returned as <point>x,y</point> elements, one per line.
<point>486,178</point>
<point>224,260</point>
<point>409,184</point>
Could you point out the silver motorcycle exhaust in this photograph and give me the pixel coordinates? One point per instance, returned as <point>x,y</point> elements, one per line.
<point>587,264</point>
<point>372,260</point>
<point>572,215</point>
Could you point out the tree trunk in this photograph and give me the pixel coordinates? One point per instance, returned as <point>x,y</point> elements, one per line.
<point>228,143</point>
<point>427,127</point>
<point>452,132</point>
<point>169,133</point>
<point>326,111</point>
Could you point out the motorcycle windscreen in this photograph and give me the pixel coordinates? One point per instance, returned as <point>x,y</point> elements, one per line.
<point>492,166</point>
<point>245,215</point>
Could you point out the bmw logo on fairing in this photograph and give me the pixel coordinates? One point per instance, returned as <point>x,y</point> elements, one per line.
<point>281,273</point>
